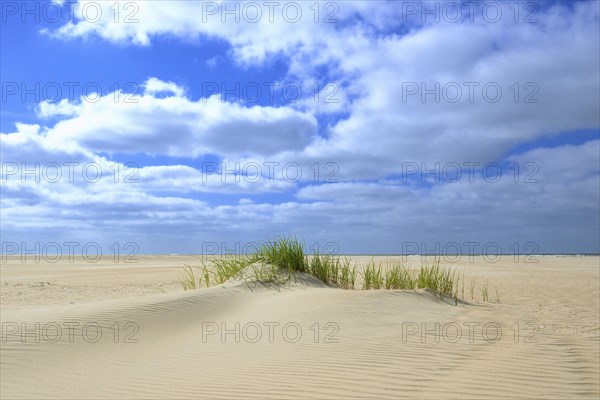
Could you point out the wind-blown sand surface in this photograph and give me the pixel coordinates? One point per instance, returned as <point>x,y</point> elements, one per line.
<point>367,344</point>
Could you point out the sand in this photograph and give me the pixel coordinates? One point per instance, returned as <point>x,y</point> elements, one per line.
<point>303,340</point>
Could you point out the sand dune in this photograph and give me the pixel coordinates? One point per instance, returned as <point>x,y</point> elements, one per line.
<point>304,340</point>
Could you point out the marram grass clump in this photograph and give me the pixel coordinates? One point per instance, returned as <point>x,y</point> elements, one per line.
<point>439,280</point>
<point>279,260</point>
<point>286,253</point>
<point>399,277</point>
<point>373,278</point>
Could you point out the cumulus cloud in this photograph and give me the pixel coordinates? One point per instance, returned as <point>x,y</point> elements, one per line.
<point>155,86</point>
<point>465,90</point>
<point>561,196</point>
<point>36,164</point>
<point>255,30</point>
<point>359,216</point>
<point>63,108</point>
<point>175,125</point>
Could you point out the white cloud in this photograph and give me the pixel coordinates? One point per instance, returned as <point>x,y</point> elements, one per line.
<point>558,212</point>
<point>155,86</point>
<point>63,108</point>
<point>177,126</point>
<point>42,168</point>
<point>278,29</point>
<point>553,61</point>
<point>372,63</point>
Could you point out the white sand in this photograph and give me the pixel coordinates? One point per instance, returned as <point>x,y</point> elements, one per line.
<point>369,355</point>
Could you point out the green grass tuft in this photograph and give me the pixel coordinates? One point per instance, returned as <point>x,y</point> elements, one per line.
<point>400,277</point>
<point>189,280</point>
<point>228,267</point>
<point>347,279</point>
<point>439,280</point>
<point>285,255</point>
<point>373,278</point>
<point>326,268</point>
<point>484,293</point>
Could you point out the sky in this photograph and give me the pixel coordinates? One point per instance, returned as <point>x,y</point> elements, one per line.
<point>364,127</point>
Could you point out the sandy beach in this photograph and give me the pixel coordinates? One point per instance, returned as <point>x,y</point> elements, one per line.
<point>79,330</point>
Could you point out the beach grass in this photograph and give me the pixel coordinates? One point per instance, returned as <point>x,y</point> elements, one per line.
<point>372,276</point>
<point>188,281</point>
<point>226,268</point>
<point>325,267</point>
<point>347,279</point>
<point>284,257</point>
<point>437,279</point>
<point>484,293</point>
<point>286,252</point>
<point>400,277</point>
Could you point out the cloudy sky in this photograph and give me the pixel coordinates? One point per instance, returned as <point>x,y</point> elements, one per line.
<point>359,126</point>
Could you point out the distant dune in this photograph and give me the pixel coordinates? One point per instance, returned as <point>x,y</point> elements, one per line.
<point>129,331</point>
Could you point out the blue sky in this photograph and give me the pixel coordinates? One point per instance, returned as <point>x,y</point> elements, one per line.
<point>377,125</point>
